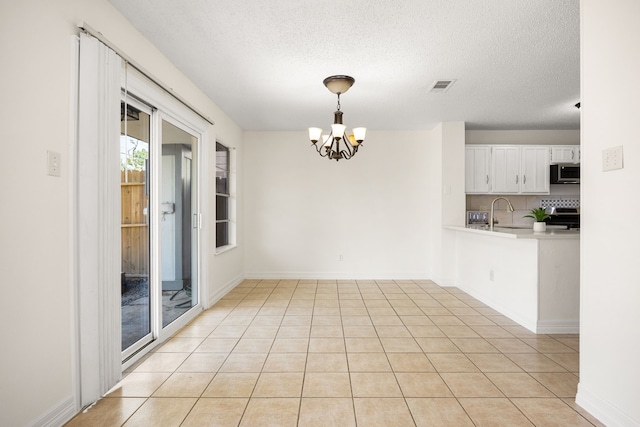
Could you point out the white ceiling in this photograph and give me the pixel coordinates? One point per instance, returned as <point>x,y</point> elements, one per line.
<point>516,62</point>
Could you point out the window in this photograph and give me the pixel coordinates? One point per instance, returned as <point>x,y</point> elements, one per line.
<point>223,195</point>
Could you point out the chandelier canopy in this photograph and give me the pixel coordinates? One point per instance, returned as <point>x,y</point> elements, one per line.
<point>337,145</point>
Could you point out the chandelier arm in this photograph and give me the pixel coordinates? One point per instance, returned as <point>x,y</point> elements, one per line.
<point>335,148</point>
<point>332,149</point>
<point>350,150</point>
<point>316,146</point>
<point>320,149</point>
<point>347,154</point>
<point>344,153</point>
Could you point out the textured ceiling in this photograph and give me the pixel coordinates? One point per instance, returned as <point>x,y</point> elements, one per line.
<point>516,62</point>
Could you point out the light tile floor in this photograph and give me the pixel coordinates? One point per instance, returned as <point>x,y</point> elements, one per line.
<point>347,353</point>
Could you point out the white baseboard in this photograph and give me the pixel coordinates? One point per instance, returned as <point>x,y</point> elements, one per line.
<point>58,415</point>
<point>219,293</point>
<point>530,324</point>
<point>604,411</point>
<point>558,327</point>
<point>537,327</point>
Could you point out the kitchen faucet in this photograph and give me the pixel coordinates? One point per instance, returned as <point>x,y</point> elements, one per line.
<point>493,203</point>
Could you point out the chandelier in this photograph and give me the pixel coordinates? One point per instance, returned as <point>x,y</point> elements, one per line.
<point>337,145</point>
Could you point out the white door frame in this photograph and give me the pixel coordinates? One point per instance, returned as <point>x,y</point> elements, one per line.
<point>148,338</point>
<point>166,108</point>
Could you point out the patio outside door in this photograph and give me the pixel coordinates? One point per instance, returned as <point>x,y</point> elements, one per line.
<point>178,225</point>
<point>136,291</point>
<point>158,226</point>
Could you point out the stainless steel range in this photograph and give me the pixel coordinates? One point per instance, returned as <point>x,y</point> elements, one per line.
<point>569,217</point>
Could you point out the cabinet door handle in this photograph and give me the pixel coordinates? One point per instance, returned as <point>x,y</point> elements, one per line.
<point>573,154</point>
<point>516,179</point>
<point>524,179</point>
<point>487,179</point>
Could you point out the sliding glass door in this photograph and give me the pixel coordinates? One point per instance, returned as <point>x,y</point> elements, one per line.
<point>178,224</point>
<point>135,151</point>
<point>159,223</point>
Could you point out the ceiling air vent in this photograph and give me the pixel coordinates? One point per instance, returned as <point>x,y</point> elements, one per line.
<point>441,85</point>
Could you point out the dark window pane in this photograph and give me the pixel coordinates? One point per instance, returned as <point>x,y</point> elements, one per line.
<point>222,234</point>
<point>222,185</point>
<point>222,169</point>
<point>222,207</point>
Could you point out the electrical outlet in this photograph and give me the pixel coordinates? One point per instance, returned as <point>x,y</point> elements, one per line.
<point>612,158</point>
<point>53,163</point>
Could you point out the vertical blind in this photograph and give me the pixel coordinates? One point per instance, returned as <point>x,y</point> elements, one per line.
<point>98,214</point>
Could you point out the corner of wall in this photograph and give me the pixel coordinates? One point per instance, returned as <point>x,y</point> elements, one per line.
<point>604,411</point>
<point>225,289</point>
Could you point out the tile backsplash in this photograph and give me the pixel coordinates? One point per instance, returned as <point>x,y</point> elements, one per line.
<point>521,205</point>
<point>561,202</point>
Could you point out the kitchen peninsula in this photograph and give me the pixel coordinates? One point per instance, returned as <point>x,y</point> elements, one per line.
<point>531,277</point>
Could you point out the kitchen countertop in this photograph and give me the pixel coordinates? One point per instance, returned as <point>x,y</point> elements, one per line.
<point>519,233</point>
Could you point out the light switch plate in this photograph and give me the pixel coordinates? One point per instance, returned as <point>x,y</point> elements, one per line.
<point>53,163</point>
<point>612,158</point>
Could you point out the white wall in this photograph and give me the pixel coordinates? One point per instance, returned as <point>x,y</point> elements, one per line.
<point>453,170</point>
<point>226,269</point>
<point>501,272</point>
<point>447,198</point>
<point>609,342</point>
<point>35,312</point>
<point>36,262</point>
<point>303,211</point>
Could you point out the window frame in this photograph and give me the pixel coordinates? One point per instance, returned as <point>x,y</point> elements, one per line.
<point>230,218</point>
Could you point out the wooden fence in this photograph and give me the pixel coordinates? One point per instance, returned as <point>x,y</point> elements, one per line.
<point>134,228</point>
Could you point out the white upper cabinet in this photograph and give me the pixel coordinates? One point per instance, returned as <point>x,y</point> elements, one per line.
<point>534,169</point>
<point>477,161</point>
<point>565,154</point>
<point>505,169</point>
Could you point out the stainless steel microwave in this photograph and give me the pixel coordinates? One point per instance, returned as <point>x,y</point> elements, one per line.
<point>565,173</point>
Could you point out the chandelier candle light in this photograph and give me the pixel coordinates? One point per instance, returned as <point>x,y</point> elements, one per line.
<point>337,145</point>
